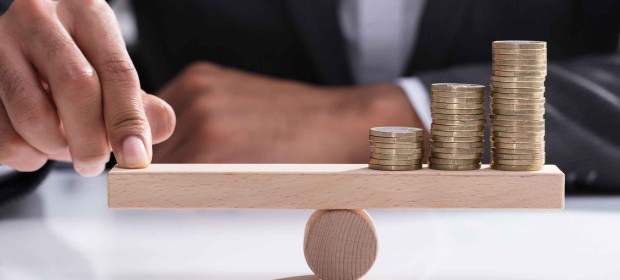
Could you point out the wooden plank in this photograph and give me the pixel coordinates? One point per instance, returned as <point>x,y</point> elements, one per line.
<point>331,186</point>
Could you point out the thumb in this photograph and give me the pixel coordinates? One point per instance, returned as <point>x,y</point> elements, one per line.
<point>161,117</point>
<point>129,131</point>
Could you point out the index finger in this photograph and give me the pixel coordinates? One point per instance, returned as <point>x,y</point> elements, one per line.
<point>99,38</point>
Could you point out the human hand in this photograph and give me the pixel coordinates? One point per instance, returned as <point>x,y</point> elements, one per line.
<point>227,116</point>
<point>69,90</point>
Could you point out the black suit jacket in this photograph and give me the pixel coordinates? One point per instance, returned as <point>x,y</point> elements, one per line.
<point>301,40</point>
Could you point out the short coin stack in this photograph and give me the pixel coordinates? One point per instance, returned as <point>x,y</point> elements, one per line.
<point>518,105</point>
<point>457,131</point>
<point>396,148</point>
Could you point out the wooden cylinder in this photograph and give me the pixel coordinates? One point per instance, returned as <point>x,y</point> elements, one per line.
<point>340,244</point>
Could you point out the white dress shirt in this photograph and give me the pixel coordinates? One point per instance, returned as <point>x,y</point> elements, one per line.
<point>380,36</point>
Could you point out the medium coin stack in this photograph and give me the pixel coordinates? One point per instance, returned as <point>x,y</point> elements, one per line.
<point>518,105</point>
<point>457,131</point>
<point>396,148</point>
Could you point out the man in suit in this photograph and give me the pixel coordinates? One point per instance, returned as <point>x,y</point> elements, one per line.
<point>287,81</point>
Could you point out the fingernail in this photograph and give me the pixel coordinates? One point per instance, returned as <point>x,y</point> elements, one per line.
<point>134,154</point>
<point>90,170</point>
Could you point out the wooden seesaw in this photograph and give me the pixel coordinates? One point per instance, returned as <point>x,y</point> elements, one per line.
<point>340,241</point>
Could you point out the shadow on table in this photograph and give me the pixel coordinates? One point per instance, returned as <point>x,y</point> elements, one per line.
<point>32,250</point>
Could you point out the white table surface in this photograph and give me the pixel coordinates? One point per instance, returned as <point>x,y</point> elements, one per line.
<point>65,231</point>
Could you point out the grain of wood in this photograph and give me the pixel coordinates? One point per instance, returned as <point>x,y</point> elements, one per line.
<point>340,244</point>
<point>331,186</point>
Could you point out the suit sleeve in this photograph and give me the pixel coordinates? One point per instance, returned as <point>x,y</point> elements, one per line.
<point>582,117</point>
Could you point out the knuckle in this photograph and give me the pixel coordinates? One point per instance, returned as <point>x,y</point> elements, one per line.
<point>89,3</point>
<point>12,85</point>
<point>202,69</point>
<point>92,7</point>
<point>119,68</point>
<point>29,9</point>
<point>195,84</point>
<point>78,76</point>
<point>199,67</point>
<point>200,106</point>
<point>213,131</point>
<point>28,112</point>
<point>130,122</point>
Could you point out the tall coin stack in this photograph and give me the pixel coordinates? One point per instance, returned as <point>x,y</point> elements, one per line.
<point>396,148</point>
<point>518,105</point>
<point>457,131</point>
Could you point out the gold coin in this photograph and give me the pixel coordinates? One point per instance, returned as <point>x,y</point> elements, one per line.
<point>516,129</point>
<point>542,56</point>
<point>457,111</point>
<point>395,167</point>
<point>517,112</point>
<point>396,145</point>
<point>398,156</point>
<point>526,68</point>
<point>535,101</point>
<point>455,139</point>
<point>517,85</point>
<point>463,123</point>
<point>410,140</point>
<point>454,161</point>
<point>456,150</point>
<point>518,156</point>
<point>530,91</point>
<point>520,62</point>
<point>457,156</point>
<point>516,167</point>
<point>456,127</point>
<point>457,133</point>
<point>445,94</point>
<point>542,73</point>
<point>518,44</point>
<point>540,51</point>
<point>518,146</point>
<point>396,151</point>
<point>454,167</point>
<point>517,151</point>
<point>518,161</point>
<point>451,87</point>
<point>437,116</point>
<point>527,96</point>
<point>395,131</point>
<point>457,100</point>
<point>458,145</point>
<point>517,117</point>
<point>518,134</point>
<point>495,123</point>
<point>532,139</point>
<point>517,79</point>
<point>393,162</point>
<point>518,106</point>
<point>457,106</point>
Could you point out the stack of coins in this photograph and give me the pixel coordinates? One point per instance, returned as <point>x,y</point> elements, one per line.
<point>457,131</point>
<point>396,148</point>
<point>518,105</point>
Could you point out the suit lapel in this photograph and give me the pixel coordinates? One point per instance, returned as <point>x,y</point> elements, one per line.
<point>440,24</point>
<point>319,28</point>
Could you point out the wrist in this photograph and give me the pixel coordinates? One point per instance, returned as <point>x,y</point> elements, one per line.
<point>364,107</point>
